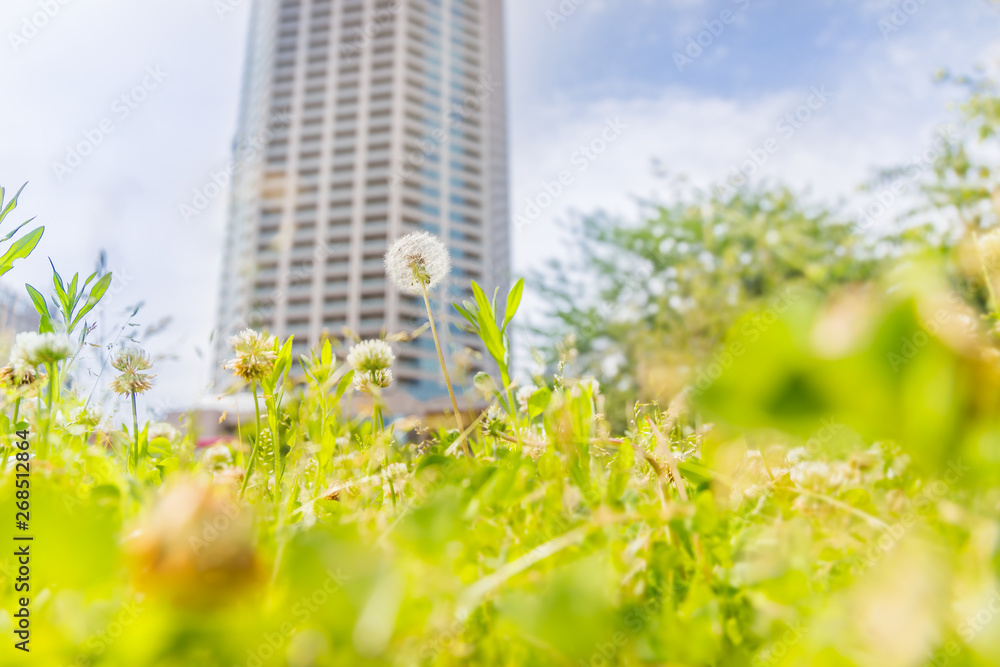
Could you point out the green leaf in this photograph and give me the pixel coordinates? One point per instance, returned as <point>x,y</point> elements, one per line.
<point>344,383</point>
<point>538,401</point>
<point>488,330</point>
<point>326,355</point>
<point>513,303</point>
<point>36,298</point>
<point>20,249</point>
<point>11,204</point>
<point>61,294</point>
<point>16,230</point>
<point>464,312</point>
<point>95,296</point>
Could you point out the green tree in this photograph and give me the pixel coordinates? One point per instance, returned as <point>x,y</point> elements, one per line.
<point>648,301</point>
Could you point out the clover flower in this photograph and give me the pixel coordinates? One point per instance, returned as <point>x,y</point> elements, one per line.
<point>162,430</point>
<point>255,355</point>
<point>23,380</point>
<point>371,381</point>
<point>523,395</point>
<point>417,260</point>
<point>815,475</point>
<point>371,355</point>
<point>989,250</point>
<point>129,363</point>
<point>34,349</point>
<point>217,457</point>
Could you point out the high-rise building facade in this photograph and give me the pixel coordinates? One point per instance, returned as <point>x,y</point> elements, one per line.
<point>361,121</point>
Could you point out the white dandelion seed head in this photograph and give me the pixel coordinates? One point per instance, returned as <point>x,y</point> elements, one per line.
<point>416,259</point>
<point>31,350</point>
<point>371,355</point>
<point>371,382</point>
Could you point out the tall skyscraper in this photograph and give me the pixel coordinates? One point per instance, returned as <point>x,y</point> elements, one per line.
<point>361,121</point>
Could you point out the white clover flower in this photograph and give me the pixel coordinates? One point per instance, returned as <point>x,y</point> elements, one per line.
<point>523,395</point>
<point>394,471</point>
<point>255,355</point>
<point>797,455</point>
<point>31,350</point>
<point>371,355</point>
<point>591,386</point>
<point>217,456</point>
<point>811,474</point>
<point>416,260</point>
<point>129,362</point>
<point>989,251</point>
<point>371,381</point>
<point>162,430</point>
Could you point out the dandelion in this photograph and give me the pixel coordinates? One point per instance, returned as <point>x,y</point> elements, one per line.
<point>130,362</point>
<point>417,263</point>
<point>371,355</point>
<point>255,355</point>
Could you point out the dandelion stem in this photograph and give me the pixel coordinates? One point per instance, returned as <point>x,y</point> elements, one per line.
<point>444,367</point>
<point>256,442</point>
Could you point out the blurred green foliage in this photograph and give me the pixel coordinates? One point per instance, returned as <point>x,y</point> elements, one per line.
<point>820,489</point>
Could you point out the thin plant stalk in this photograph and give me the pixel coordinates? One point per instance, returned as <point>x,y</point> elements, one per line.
<point>47,425</point>
<point>135,436</point>
<point>256,442</point>
<point>994,305</point>
<point>17,410</point>
<point>444,367</point>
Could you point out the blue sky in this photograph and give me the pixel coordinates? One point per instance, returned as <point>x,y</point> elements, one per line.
<point>609,62</point>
